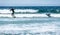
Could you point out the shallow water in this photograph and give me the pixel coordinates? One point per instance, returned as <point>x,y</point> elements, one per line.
<point>30,26</point>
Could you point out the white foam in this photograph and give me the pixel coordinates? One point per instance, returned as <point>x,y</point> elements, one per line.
<point>29,15</point>
<point>5,11</point>
<point>5,15</point>
<point>33,28</point>
<point>23,15</point>
<point>55,15</point>
<point>26,10</point>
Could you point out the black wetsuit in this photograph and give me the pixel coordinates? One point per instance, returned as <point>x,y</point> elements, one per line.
<point>13,12</point>
<point>48,15</point>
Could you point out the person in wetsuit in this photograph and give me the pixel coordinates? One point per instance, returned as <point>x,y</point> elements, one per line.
<point>49,15</point>
<point>13,13</point>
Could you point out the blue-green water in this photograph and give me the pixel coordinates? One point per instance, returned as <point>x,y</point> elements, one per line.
<point>31,26</point>
<point>24,26</point>
<point>41,9</point>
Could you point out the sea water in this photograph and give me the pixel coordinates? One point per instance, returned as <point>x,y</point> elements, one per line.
<point>41,9</point>
<point>30,26</point>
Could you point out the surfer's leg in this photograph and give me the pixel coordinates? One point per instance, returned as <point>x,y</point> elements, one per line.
<point>13,15</point>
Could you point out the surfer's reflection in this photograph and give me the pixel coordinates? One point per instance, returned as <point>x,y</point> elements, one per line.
<point>13,13</point>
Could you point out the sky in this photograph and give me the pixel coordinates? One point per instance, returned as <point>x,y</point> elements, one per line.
<point>29,2</point>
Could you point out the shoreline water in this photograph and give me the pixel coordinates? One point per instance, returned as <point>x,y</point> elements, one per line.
<point>31,24</point>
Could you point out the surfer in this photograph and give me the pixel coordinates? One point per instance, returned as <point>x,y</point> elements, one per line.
<point>48,15</point>
<point>13,13</point>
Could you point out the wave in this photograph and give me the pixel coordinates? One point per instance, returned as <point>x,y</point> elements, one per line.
<point>25,10</point>
<point>18,10</point>
<point>29,15</point>
<point>7,13</point>
<point>28,28</point>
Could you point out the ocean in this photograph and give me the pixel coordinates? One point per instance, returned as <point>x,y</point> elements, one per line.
<point>41,9</point>
<point>30,25</point>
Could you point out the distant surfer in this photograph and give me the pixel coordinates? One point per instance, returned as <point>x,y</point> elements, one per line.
<point>49,15</point>
<point>13,13</point>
